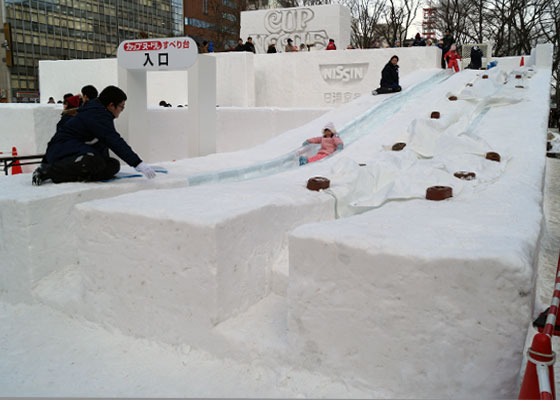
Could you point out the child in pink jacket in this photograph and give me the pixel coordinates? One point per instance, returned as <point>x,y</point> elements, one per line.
<point>330,142</point>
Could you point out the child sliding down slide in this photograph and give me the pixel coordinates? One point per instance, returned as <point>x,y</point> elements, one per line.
<point>330,142</point>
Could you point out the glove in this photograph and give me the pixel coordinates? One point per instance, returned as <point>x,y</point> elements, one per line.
<point>146,170</point>
<point>340,147</point>
<point>305,143</point>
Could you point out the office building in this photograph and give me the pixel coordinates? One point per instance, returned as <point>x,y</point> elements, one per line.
<point>215,21</point>
<point>75,29</point>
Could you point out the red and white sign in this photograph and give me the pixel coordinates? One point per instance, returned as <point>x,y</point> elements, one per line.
<point>164,54</point>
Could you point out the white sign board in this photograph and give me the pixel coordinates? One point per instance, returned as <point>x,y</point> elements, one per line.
<point>313,26</point>
<point>163,54</point>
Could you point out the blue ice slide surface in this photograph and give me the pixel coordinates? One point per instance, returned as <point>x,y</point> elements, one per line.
<point>351,132</point>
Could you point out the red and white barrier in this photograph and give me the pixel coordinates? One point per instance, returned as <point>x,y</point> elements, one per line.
<point>538,381</point>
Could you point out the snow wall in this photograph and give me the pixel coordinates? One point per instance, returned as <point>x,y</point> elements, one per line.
<point>29,127</point>
<point>306,79</point>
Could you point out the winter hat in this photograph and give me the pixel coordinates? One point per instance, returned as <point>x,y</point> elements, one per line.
<point>330,126</point>
<point>73,101</point>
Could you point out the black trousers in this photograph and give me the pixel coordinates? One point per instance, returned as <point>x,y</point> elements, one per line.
<point>83,168</point>
<point>443,60</point>
<point>384,90</point>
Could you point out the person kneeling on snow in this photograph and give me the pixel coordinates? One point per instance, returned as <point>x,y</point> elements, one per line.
<point>79,150</point>
<point>330,142</point>
<point>389,78</point>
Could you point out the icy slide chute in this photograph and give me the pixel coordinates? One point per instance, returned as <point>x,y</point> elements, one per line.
<point>351,132</point>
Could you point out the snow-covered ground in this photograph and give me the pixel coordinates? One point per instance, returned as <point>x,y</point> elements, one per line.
<point>206,284</point>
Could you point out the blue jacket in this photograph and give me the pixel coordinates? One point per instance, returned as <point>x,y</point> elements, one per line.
<point>92,130</point>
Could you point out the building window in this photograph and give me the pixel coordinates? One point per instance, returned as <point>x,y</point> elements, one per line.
<point>230,4</point>
<point>229,17</point>
<point>205,6</point>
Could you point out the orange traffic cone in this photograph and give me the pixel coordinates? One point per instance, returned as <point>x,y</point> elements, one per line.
<point>16,168</point>
<point>522,63</point>
<point>536,385</point>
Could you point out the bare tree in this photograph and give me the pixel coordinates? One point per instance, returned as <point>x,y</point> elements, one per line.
<point>242,5</point>
<point>515,25</point>
<point>477,29</point>
<point>454,16</point>
<point>315,2</point>
<point>288,3</point>
<point>366,15</point>
<point>226,21</point>
<point>398,19</point>
<point>550,31</point>
<point>300,3</point>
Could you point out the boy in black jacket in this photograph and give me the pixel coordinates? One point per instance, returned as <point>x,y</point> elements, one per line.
<point>79,151</point>
<point>389,78</point>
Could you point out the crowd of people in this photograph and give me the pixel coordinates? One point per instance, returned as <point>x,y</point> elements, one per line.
<point>449,58</point>
<point>248,45</point>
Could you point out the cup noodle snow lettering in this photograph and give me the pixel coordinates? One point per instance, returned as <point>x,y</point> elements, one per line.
<point>158,54</point>
<point>310,25</point>
<point>291,23</point>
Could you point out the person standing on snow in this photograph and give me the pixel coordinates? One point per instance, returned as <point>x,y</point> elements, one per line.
<point>89,92</point>
<point>79,150</point>
<point>389,78</point>
<point>249,46</point>
<point>451,57</point>
<point>330,142</point>
<point>331,45</point>
<point>446,44</point>
<point>240,46</point>
<point>476,58</point>
<point>418,40</point>
<point>290,48</point>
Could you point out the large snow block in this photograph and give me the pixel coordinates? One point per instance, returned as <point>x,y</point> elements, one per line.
<point>410,320</point>
<point>28,127</point>
<point>38,231</point>
<point>431,299</point>
<point>171,265</point>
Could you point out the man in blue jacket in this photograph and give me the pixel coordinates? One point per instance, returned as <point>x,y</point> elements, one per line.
<point>79,151</point>
<point>389,78</point>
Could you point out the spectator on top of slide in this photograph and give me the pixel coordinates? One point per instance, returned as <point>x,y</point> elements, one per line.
<point>418,40</point>
<point>290,47</point>
<point>249,46</point>
<point>240,46</point>
<point>331,45</point>
<point>476,58</point>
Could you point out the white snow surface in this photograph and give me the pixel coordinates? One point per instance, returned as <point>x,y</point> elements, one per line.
<point>262,288</point>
